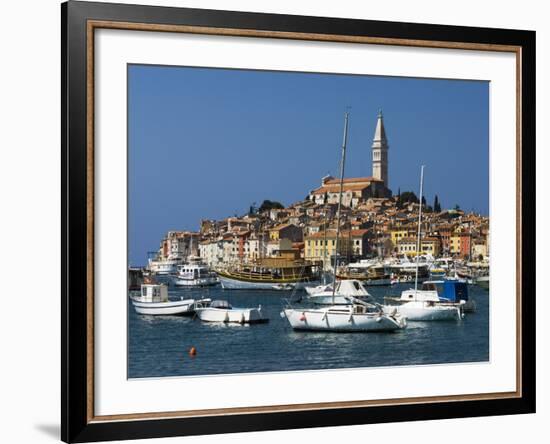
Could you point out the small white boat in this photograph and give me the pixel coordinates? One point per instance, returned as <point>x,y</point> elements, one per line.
<point>358,316</point>
<point>324,295</point>
<point>153,300</point>
<point>283,287</point>
<point>194,274</point>
<point>222,311</point>
<point>166,266</point>
<point>424,305</point>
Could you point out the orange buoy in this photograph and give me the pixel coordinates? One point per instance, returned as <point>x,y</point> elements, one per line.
<point>192,351</point>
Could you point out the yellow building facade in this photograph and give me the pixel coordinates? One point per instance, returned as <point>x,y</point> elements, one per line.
<point>398,234</point>
<point>318,246</point>
<point>454,245</point>
<point>428,246</point>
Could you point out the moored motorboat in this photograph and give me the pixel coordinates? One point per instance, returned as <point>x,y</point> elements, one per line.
<point>194,274</point>
<point>430,303</point>
<point>163,266</point>
<point>424,304</point>
<point>371,274</point>
<point>153,300</point>
<point>224,312</point>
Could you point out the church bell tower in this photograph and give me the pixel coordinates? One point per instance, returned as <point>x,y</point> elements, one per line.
<point>380,152</point>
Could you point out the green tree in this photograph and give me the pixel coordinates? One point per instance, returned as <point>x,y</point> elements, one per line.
<point>407,197</point>
<point>437,205</point>
<point>269,205</point>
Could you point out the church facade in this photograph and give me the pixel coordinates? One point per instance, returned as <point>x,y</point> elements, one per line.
<point>358,189</point>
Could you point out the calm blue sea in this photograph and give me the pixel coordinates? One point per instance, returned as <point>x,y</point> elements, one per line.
<point>158,346</point>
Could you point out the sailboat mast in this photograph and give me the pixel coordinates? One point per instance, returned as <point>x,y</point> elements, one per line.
<point>419,226</point>
<point>342,165</point>
<point>324,246</point>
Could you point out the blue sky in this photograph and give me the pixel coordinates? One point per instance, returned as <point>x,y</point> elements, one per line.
<point>207,143</point>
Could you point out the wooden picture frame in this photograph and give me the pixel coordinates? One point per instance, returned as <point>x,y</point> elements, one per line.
<point>79,22</point>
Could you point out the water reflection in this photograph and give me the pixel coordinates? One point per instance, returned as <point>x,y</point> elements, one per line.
<point>158,346</point>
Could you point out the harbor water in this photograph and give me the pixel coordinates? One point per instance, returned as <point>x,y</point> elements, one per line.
<point>158,346</point>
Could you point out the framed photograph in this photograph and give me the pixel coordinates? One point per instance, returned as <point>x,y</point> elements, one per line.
<point>276,221</point>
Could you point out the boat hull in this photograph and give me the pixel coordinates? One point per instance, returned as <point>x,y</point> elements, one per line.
<point>377,282</point>
<point>420,311</point>
<point>322,320</point>
<point>201,282</point>
<point>234,315</point>
<point>237,284</point>
<point>170,308</point>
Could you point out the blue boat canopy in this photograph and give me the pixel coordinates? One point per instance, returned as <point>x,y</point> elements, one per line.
<point>455,291</point>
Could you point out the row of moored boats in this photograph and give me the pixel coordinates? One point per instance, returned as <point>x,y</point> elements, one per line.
<point>340,306</point>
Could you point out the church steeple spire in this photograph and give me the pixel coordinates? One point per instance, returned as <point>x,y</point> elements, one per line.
<point>380,151</point>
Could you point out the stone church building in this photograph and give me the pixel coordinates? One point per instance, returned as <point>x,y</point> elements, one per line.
<point>358,189</point>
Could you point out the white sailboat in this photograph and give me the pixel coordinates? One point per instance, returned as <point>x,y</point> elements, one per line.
<point>356,315</point>
<point>423,305</point>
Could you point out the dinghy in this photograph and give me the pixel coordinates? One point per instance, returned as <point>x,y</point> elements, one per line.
<point>223,311</point>
<point>153,300</point>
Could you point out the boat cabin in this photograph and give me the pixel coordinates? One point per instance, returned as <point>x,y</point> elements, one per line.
<point>153,293</point>
<point>223,305</point>
<point>193,271</point>
<point>451,291</point>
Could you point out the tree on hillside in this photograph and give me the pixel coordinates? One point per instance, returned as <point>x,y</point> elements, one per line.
<point>405,198</point>
<point>437,205</point>
<point>269,205</point>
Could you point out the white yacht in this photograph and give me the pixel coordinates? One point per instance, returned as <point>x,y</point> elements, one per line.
<point>223,311</point>
<point>345,289</point>
<point>163,266</point>
<point>153,300</point>
<point>194,274</point>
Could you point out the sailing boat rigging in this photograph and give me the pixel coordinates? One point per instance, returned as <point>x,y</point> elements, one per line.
<point>353,314</point>
<point>424,304</point>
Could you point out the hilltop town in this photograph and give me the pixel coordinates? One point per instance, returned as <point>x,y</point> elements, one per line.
<point>374,223</point>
